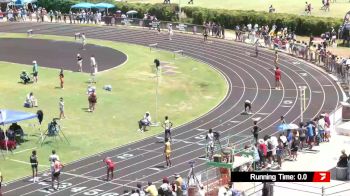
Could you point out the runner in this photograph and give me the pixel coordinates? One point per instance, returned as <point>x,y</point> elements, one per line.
<point>33,159</point>
<point>61,75</point>
<point>56,174</point>
<point>247,105</point>
<point>110,167</point>
<point>83,41</point>
<point>167,128</point>
<point>80,62</point>
<point>278,78</point>
<point>52,158</point>
<point>158,27</point>
<point>167,152</point>
<point>276,58</point>
<point>256,50</point>
<point>210,143</point>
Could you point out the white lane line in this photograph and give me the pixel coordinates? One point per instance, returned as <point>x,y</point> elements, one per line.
<point>27,163</point>
<point>25,150</point>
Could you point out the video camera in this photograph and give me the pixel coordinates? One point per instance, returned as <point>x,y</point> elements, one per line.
<point>53,127</point>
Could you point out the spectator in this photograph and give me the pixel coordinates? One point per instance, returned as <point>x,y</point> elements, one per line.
<point>35,71</point>
<point>165,188</point>
<point>256,131</point>
<point>179,184</point>
<point>24,77</point>
<point>145,121</point>
<point>61,75</point>
<point>92,101</point>
<point>1,179</point>
<point>31,101</point>
<point>139,190</point>
<point>343,160</point>
<point>61,107</point>
<point>151,189</point>
<point>279,153</point>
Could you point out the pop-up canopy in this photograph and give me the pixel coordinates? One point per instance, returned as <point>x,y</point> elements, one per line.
<point>83,5</point>
<point>11,116</point>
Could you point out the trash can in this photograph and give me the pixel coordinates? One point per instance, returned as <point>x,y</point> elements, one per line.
<point>341,173</point>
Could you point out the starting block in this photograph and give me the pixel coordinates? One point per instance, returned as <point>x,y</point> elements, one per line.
<point>178,52</point>
<point>30,32</point>
<point>154,46</point>
<point>77,36</point>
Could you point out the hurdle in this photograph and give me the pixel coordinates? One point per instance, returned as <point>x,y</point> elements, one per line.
<point>152,46</point>
<point>77,35</point>
<point>30,32</point>
<point>178,52</point>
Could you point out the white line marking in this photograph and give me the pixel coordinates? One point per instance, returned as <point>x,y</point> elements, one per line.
<point>25,150</point>
<point>154,168</point>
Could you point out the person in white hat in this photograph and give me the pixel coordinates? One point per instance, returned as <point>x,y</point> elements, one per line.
<point>80,62</point>
<point>35,71</point>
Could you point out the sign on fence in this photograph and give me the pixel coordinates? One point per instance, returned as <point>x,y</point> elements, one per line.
<point>181,27</point>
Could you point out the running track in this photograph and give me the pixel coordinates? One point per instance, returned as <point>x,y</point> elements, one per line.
<point>248,78</point>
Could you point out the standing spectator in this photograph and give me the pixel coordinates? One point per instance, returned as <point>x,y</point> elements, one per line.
<point>321,127</point>
<point>80,63</point>
<point>139,190</point>
<point>83,40</point>
<point>61,107</point>
<point>262,149</point>
<point>61,78</point>
<point>92,101</point>
<point>35,71</point>
<point>179,183</point>
<point>276,59</point>
<point>51,15</point>
<point>93,65</point>
<point>33,159</point>
<point>165,188</point>
<point>170,31</point>
<point>294,147</point>
<point>279,153</point>
<point>151,189</point>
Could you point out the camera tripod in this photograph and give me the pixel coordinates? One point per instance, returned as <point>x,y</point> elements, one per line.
<point>192,176</point>
<point>54,130</point>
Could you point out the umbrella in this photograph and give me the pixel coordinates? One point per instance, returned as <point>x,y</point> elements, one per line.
<point>118,11</point>
<point>83,5</point>
<point>131,12</point>
<point>282,127</point>
<point>104,5</point>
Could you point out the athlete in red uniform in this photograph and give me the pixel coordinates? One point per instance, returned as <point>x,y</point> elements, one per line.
<point>278,78</point>
<point>110,167</point>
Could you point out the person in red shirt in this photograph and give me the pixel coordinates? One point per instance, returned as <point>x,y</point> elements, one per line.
<point>110,167</point>
<point>278,78</point>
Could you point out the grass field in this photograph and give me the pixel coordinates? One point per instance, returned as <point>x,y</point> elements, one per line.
<point>338,9</point>
<point>183,96</point>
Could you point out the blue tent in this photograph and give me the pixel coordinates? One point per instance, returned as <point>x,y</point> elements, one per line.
<point>104,6</point>
<point>11,116</point>
<point>83,5</point>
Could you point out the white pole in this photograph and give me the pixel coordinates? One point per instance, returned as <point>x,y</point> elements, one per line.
<point>157,75</point>
<point>302,102</point>
<point>180,11</point>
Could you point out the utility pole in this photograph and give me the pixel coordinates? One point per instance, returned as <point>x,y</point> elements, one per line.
<point>302,102</point>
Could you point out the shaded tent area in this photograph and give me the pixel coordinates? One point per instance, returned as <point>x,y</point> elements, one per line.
<point>8,138</point>
<point>85,5</point>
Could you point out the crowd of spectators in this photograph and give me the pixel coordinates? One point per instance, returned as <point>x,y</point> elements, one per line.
<point>12,138</point>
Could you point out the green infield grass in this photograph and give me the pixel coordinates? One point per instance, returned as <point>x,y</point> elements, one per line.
<point>338,9</point>
<point>192,90</point>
